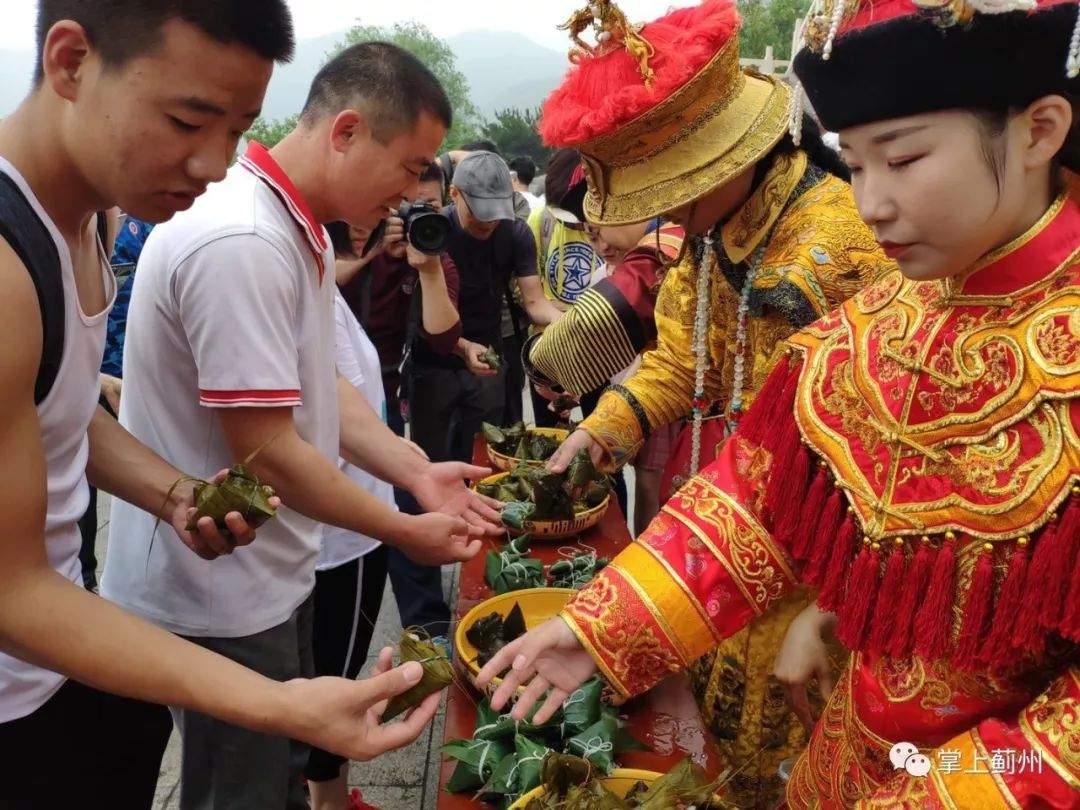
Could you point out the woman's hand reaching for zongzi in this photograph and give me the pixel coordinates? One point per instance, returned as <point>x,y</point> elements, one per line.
<point>548,660</point>
<point>208,541</point>
<point>344,716</point>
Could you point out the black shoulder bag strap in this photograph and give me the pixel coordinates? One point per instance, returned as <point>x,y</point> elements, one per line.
<point>21,228</point>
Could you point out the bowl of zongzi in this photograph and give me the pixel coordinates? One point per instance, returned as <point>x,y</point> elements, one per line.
<point>551,506</point>
<point>567,787</point>
<point>495,622</point>
<point>518,444</point>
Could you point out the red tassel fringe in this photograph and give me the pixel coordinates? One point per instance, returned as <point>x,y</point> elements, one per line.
<point>881,629</point>
<point>808,521</point>
<point>766,410</point>
<point>859,600</point>
<point>791,501</point>
<point>998,647</point>
<point>1066,540</point>
<point>977,609</point>
<point>933,623</point>
<point>825,537</point>
<point>832,591</point>
<point>784,493</point>
<point>1027,636</point>
<point>900,646</point>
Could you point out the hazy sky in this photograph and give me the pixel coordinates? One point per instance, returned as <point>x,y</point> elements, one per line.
<point>534,18</point>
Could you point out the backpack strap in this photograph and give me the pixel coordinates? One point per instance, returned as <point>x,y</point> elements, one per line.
<point>32,242</point>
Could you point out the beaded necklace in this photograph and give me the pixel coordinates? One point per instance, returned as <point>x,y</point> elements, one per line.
<point>702,362</point>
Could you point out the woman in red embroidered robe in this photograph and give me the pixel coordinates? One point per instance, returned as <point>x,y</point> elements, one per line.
<point>917,458</point>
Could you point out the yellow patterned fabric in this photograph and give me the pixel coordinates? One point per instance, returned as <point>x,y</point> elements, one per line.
<point>820,254</point>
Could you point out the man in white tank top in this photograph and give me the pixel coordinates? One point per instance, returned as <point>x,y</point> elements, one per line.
<point>138,103</point>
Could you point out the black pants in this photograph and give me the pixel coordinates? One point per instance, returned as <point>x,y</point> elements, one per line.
<point>417,588</point>
<point>83,748</point>
<point>447,406</point>
<point>515,380</point>
<point>347,600</point>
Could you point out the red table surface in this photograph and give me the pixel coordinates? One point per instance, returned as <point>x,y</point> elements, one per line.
<point>666,718</point>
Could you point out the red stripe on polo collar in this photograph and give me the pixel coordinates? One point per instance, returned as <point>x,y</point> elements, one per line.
<point>258,161</point>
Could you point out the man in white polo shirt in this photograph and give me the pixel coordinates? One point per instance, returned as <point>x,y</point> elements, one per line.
<point>230,355</point>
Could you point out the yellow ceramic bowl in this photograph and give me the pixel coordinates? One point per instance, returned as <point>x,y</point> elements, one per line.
<point>507,463</point>
<point>558,529</point>
<point>537,605</point>
<point>620,782</point>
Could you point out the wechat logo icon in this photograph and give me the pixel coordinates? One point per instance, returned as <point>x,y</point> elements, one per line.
<point>905,756</point>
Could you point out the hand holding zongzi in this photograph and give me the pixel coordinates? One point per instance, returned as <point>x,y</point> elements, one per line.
<point>207,533</point>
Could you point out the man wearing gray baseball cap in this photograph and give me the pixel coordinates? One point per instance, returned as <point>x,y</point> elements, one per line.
<point>491,250</point>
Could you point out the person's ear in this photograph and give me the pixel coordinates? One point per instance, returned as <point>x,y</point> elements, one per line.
<point>64,56</point>
<point>1045,126</point>
<point>349,128</point>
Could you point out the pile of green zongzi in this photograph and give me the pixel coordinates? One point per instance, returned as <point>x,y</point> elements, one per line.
<point>519,442</point>
<point>512,569</point>
<point>505,758</point>
<point>571,784</point>
<point>551,496</point>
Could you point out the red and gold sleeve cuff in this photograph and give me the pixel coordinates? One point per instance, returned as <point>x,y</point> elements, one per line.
<point>700,572</point>
<point>617,427</point>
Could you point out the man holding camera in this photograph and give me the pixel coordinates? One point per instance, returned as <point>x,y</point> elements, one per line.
<point>451,396</point>
<point>232,356</point>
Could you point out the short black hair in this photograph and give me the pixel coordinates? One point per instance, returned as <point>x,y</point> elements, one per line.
<point>386,83</point>
<point>433,174</point>
<point>121,30</point>
<point>481,145</point>
<point>560,170</point>
<point>524,168</point>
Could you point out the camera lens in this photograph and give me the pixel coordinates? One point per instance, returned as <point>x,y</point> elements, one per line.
<point>428,233</point>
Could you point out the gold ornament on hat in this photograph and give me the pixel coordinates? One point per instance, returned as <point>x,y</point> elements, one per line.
<point>612,29</point>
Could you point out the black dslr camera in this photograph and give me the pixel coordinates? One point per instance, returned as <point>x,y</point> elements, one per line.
<point>426,227</point>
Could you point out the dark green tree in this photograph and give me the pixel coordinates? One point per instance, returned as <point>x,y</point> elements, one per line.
<point>769,22</point>
<point>418,40</point>
<point>269,131</point>
<point>515,133</point>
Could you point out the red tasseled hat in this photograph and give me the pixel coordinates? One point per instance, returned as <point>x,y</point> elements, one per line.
<point>662,113</point>
<point>601,94</point>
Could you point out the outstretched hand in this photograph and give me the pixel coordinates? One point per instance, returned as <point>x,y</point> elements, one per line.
<point>345,716</point>
<point>442,489</point>
<point>548,660</point>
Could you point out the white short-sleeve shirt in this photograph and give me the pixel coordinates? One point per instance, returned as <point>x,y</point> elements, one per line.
<point>357,362</point>
<point>232,306</point>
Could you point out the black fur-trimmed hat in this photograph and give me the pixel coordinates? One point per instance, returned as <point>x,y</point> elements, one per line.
<point>868,61</point>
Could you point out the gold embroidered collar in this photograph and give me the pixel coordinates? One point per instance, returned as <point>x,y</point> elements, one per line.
<point>748,226</point>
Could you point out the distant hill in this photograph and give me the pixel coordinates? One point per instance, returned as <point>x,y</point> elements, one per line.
<point>504,70</point>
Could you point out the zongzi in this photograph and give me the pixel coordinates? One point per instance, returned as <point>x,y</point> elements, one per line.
<point>491,359</point>
<point>241,491</point>
<point>438,673</point>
